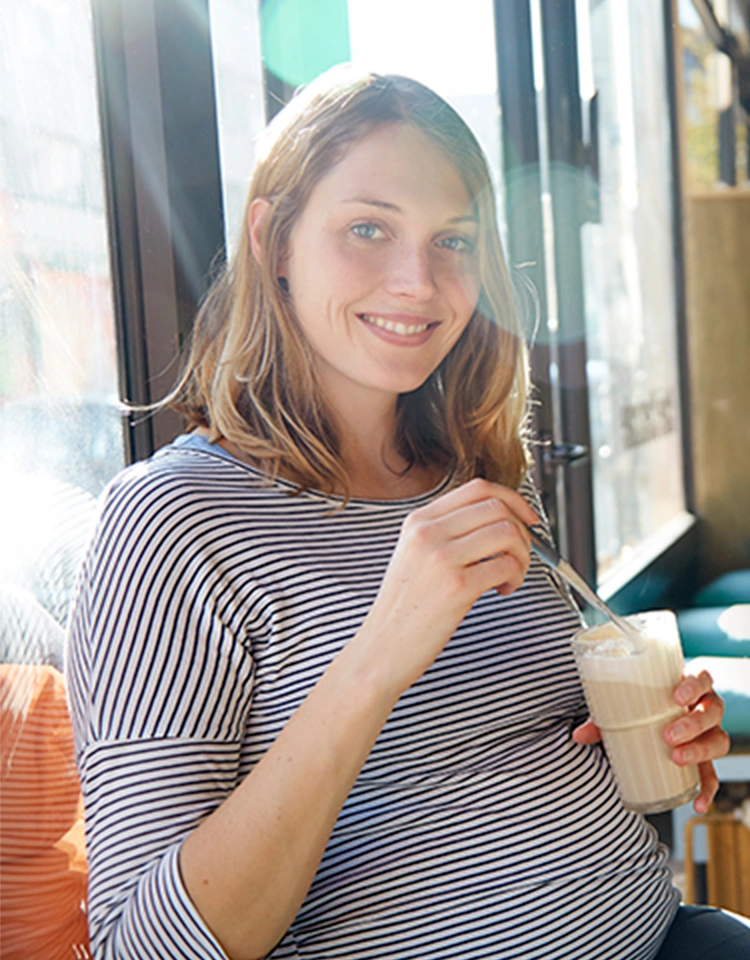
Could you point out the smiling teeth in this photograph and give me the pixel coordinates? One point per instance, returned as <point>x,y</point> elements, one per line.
<point>401,329</point>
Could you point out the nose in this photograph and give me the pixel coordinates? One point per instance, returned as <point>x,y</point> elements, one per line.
<point>411,273</point>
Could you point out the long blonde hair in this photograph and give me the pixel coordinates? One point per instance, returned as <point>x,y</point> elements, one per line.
<point>250,375</point>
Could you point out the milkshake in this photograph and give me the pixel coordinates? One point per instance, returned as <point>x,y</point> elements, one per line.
<point>629,687</point>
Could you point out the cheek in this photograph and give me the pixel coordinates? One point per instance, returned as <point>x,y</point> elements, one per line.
<point>466,286</point>
<point>358,272</point>
<point>336,273</point>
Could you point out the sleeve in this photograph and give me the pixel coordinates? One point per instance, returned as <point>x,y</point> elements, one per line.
<point>160,681</point>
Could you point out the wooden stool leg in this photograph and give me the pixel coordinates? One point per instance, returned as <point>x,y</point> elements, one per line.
<point>689,865</point>
<point>728,865</point>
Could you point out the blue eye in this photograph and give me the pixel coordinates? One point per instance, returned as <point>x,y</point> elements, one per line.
<point>366,231</point>
<point>456,244</point>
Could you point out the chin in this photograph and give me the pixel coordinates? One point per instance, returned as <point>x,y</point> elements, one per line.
<point>407,382</point>
<point>406,385</point>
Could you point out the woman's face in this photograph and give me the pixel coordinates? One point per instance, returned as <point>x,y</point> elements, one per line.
<point>382,266</point>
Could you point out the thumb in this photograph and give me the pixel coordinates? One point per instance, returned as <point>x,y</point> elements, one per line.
<point>588,732</point>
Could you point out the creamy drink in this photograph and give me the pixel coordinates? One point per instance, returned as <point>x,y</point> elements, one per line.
<point>629,686</point>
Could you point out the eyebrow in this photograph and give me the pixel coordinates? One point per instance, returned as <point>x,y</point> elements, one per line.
<point>394,208</point>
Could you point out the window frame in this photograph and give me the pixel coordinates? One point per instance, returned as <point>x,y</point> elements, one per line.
<point>670,577</point>
<point>163,191</point>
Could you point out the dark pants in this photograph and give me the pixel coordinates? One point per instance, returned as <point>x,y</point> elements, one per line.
<point>703,933</point>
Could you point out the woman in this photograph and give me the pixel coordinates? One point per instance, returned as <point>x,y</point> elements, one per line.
<point>282,754</point>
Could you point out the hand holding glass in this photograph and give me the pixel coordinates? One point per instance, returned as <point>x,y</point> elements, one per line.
<point>629,690</point>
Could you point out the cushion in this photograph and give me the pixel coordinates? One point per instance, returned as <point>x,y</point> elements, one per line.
<point>715,631</point>
<point>43,875</point>
<point>730,588</point>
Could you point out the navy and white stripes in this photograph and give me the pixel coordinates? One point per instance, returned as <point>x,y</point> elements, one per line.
<point>210,604</point>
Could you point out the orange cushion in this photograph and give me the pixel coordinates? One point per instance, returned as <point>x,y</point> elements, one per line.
<point>42,853</point>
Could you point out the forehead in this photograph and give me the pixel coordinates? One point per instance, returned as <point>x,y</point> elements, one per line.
<point>396,164</point>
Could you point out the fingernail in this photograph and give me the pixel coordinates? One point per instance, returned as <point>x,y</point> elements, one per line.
<point>685,755</point>
<point>676,732</point>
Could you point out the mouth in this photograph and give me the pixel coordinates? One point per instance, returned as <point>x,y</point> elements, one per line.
<point>395,326</point>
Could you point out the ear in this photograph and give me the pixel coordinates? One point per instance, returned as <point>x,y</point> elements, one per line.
<point>259,209</point>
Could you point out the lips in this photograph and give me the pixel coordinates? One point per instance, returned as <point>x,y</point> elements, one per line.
<point>411,328</point>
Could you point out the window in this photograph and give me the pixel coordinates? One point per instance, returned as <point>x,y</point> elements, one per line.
<point>238,73</point>
<point>60,442</point>
<point>629,298</point>
<point>60,426</point>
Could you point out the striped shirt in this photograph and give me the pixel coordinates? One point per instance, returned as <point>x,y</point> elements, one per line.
<point>211,602</point>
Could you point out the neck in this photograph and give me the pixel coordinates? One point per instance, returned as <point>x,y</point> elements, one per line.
<point>376,469</point>
<point>367,435</point>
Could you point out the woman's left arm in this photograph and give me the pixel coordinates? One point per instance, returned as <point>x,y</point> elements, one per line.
<point>696,738</point>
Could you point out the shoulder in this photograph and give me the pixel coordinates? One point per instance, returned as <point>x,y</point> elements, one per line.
<point>173,471</point>
<point>181,522</point>
<point>530,492</point>
<point>174,485</point>
<point>158,520</point>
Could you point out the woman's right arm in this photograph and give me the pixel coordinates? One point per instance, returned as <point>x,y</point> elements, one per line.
<point>247,866</point>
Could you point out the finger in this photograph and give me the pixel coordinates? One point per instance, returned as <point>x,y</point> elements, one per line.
<point>707,713</point>
<point>477,490</point>
<point>709,787</point>
<point>587,733</point>
<point>476,516</point>
<point>513,572</point>
<point>498,573</point>
<point>691,688</point>
<point>499,538</point>
<point>709,746</point>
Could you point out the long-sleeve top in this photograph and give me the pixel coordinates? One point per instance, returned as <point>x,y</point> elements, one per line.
<point>210,603</point>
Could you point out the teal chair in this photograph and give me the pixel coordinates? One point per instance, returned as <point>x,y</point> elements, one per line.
<point>727,589</point>
<point>715,634</point>
<point>715,631</point>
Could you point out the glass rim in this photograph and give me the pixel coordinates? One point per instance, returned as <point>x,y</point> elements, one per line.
<point>644,616</point>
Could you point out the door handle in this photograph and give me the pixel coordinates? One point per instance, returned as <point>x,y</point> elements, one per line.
<point>563,454</point>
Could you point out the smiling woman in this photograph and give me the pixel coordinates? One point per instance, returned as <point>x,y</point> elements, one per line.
<point>322,693</point>
<point>371,207</point>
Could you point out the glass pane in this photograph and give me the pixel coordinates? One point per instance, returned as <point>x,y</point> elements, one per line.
<point>60,441</point>
<point>238,75</point>
<point>629,285</point>
<point>60,426</point>
<point>467,78</point>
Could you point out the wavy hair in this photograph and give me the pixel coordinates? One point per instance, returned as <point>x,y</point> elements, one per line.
<point>250,375</point>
